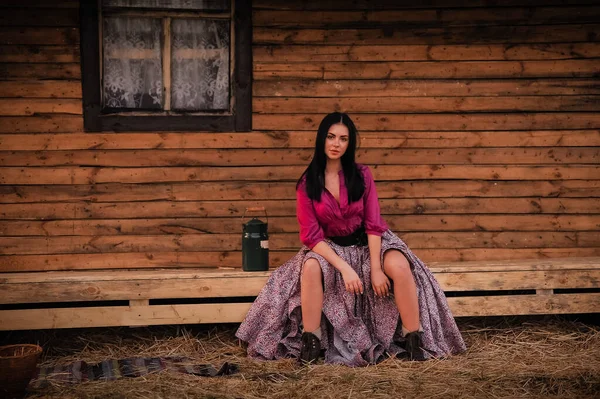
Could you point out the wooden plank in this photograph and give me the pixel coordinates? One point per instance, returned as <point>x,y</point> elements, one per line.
<point>18,106</point>
<point>428,17</point>
<point>39,35</point>
<point>427,70</point>
<point>235,312</point>
<point>41,88</point>
<point>39,3</point>
<point>399,52</point>
<point>506,265</point>
<point>410,35</point>
<point>132,289</point>
<point>542,281</point>
<point>402,4</point>
<point>283,157</point>
<point>424,88</point>
<point>40,71</point>
<point>235,191</point>
<point>214,224</point>
<point>41,124</point>
<point>276,105</point>
<point>42,54</point>
<point>47,213</point>
<point>571,264</point>
<point>95,288</point>
<point>283,241</point>
<point>438,122</point>
<point>122,316</point>
<point>233,259</point>
<point>91,175</point>
<point>524,305</point>
<point>43,17</point>
<point>387,139</point>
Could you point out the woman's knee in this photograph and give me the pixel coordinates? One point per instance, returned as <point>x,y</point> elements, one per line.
<point>395,265</point>
<point>311,270</point>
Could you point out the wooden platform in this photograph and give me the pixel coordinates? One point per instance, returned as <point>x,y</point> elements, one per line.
<point>67,299</point>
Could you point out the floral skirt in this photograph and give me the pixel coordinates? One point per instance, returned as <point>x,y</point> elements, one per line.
<point>357,330</point>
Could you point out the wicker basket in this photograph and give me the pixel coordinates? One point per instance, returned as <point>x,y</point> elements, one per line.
<point>17,366</point>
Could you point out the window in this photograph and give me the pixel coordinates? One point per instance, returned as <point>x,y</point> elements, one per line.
<point>155,65</point>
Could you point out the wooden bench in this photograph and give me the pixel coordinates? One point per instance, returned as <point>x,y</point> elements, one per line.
<point>66,299</point>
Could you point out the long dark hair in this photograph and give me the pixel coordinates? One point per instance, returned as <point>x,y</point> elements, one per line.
<point>315,172</point>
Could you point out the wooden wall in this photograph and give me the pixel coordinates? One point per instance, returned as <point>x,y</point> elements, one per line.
<point>481,124</point>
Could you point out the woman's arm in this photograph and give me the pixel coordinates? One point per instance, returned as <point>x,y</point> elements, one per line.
<point>351,279</point>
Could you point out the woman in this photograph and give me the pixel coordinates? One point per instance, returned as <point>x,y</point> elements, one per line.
<point>354,291</point>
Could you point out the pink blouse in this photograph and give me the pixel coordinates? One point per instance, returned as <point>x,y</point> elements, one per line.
<point>328,218</point>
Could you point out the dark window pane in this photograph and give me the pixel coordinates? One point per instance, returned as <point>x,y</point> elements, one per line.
<point>200,65</point>
<point>132,63</point>
<point>220,5</point>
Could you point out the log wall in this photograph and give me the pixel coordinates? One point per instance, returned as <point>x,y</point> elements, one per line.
<point>480,122</point>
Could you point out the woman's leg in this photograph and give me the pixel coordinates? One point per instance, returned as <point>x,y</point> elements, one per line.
<point>397,268</point>
<point>311,295</point>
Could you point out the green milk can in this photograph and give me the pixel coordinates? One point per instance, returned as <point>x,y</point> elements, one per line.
<point>255,242</point>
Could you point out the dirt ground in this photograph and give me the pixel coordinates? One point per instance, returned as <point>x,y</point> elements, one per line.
<point>534,357</point>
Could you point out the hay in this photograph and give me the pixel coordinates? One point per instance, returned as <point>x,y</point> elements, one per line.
<point>534,358</point>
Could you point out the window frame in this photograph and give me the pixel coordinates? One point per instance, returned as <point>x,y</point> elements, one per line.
<point>241,85</point>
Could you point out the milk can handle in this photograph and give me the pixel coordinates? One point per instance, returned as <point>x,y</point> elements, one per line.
<point>255,209</point>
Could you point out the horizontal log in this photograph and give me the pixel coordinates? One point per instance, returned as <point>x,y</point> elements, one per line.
<point>197,283</point>
<point>43,17</point>
<point>524,305</point>
<point>232,191</point>
<point>122,316</point>
<point>441,52</point>
<point>205,209</point>
<point>523,280</point>
<point>283,241</point>
<point>286,157</point>
<point>92,175</point>
<point>39,35</point>
<point>168,224</point>
<point>39,3</point>
<point>233,259</point>
<point>29,106</point>
<point>41,54</point>
<point>218,283</point>
<point>40,71</point>
<point>41,88</point>
<point>424,88</point>
<point>428,17</point>
<point>338,5</point>
<point>409,35</point>
<point>296,139</point>
<point>277,105</point>
<point>438,122</point>
<point>28,319</point>
<point>427,70</point>
<point>41,124</point>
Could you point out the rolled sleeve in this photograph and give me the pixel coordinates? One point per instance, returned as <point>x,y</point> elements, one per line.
<point>311,232</point>
<point>374,224</point>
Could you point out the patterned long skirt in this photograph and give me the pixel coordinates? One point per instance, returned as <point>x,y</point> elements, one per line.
<point>357,330</point>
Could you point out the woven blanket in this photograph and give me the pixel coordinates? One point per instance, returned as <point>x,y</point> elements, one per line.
<point>113,369</point>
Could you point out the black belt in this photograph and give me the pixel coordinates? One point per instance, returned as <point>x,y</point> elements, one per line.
<point>359,237</point>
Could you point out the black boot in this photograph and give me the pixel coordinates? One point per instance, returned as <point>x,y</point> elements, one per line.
<point>414,346</point>
<point>311,348</point>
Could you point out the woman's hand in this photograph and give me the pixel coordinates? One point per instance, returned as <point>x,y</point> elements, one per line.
<point>380,283</point>
<point>352,281</point>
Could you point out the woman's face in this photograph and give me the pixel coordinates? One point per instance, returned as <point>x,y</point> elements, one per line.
<point>337,141</point>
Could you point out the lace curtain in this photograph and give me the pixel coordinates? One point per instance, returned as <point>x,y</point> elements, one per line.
<point>132,63</point>
<point>172,4</point>
<point>200,65</point>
